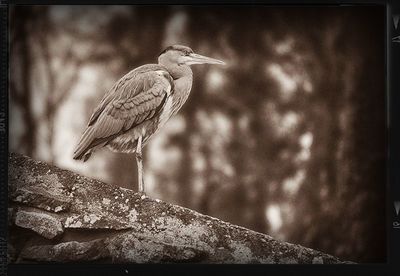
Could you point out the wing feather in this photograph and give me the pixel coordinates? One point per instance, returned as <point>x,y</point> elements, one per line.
<point>136,97</point>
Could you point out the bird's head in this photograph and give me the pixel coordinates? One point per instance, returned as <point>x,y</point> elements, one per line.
<point>183,55</point>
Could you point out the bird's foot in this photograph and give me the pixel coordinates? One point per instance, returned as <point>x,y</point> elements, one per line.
<point>141,194</point>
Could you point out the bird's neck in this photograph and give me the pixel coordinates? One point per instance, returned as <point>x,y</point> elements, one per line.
<point>182,87</point>
<point>183,79</point>
<point>178,71</point>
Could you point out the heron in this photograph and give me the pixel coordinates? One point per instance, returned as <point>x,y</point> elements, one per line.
<point>139,104</point>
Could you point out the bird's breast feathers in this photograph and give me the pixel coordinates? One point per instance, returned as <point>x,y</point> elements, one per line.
<point>166,112</point>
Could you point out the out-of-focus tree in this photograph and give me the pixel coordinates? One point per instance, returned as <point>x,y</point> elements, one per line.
<point>49,65</point>
<point>21,75</point>
<point>347,143</point>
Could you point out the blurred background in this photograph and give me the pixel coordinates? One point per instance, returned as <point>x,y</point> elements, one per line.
<point>287,139</point>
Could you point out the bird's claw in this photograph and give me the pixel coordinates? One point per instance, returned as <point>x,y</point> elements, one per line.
<point>141,194</point>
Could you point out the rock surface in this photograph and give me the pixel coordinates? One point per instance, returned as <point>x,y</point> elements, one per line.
<point>59,216</point>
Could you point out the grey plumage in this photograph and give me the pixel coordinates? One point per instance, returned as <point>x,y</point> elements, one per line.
<point>135,98</point>
<point>140,103</point>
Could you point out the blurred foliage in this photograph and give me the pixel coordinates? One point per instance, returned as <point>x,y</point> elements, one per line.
<point>288,139</point>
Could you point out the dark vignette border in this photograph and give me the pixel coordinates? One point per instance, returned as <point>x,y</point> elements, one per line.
<point>393,168</point>
<point>393,163</point>
<point>3,133</point>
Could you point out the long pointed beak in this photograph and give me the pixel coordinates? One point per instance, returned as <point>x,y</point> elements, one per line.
<point>199,59</point>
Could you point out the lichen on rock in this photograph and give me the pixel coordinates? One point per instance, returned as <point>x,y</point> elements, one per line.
<point>45,224</point>
<point>60,216</point>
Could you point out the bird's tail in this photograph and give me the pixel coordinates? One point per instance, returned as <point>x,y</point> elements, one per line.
<point>83,150</point>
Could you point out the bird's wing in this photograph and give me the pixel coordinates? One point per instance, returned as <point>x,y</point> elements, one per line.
<point>135,98</point>
<point>130,85</point>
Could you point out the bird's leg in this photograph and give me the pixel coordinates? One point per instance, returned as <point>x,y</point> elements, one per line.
<point>139,160</point>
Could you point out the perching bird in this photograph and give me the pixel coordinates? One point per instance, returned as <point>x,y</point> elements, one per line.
<point>140,103</point>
